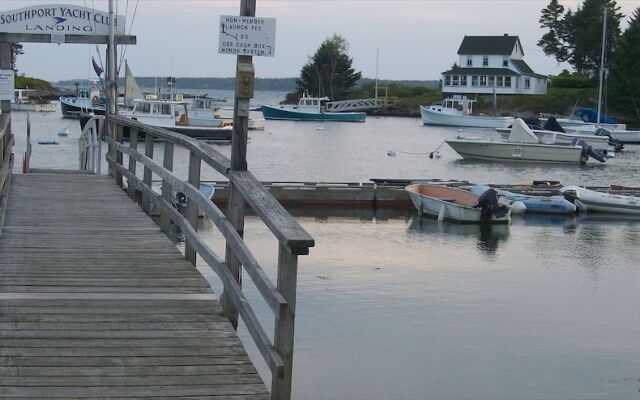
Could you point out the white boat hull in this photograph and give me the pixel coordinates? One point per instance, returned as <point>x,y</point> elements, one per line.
<point>592,201</point>
<point>561,138</point>
<point>446,210</point>
<point>516,152</point>
<point>626,137</point>
<point>430,116</point>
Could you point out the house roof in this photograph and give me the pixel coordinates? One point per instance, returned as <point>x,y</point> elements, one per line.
<point>481,71</point>
<point>525,68</point>
<point>489,45</point>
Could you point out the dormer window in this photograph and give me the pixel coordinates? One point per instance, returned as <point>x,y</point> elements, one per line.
<point>485,61</point>
<point>505,63</point>
<point>469,61</point>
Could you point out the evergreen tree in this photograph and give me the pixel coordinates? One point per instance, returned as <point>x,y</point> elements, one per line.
<point>576,37</point>
<point>553,42</point>
<point>16,50</point>
<point>624,80</point>
<point>585,37</point>
<point>329,72</point>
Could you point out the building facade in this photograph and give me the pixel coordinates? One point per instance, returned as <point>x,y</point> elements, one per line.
<point>488,64</point>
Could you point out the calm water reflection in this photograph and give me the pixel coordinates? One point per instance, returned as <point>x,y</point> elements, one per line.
<point>392,307</point>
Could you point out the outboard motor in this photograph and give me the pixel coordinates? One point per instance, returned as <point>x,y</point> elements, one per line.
<point>617,145</point>
<point>552,125</point>
<point>180,201</point>
<point>488,202</point>
<point>587,150</point>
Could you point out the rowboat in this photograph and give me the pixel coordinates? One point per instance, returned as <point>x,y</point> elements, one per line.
<point>447,203</point>
<point>591,201</point>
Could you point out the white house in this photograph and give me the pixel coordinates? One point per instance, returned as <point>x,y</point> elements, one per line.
<point>492,63</point>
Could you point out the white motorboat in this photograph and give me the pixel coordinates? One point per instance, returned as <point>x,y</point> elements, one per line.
<point>591,201</point>
<point>622,136</point>
<point>86,101</point>
<point>522,146</point>
<point>446,203</point>
<point>457,111</point>
<point>203,111</point>
<point>21,102</point>
<point>563,138</point>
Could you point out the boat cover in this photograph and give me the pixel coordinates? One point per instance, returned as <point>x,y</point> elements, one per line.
<point>521,133</point>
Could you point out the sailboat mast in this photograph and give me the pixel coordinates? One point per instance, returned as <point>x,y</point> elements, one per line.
<point>111,61</point>
<point>377,59</point>
<point>604,40</point>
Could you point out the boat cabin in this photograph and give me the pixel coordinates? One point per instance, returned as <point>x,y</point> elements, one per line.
<point>160,112</point>
<point>312,104</point>
<point>20,97</point>
<point>458,104</point>
<point>206,103</point>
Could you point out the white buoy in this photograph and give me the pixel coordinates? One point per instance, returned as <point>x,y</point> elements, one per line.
<point>391,153</point>
<point>442,213</point>
<point>319,128</point>
<point>63,132</point>
<point>518,208</point>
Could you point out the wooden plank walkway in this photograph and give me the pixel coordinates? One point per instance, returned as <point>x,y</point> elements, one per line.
<point>95,302</point>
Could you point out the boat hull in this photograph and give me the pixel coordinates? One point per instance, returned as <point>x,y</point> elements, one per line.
<point>442,209</point>
<point>516,152</point>
<point>592,201</point>
<point>562,138</point>
<point>430,117</point>
<point>625,137</point>
<point>72,107</point>
<point>282,113</point>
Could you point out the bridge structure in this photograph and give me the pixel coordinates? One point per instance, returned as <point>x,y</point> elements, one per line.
<point>96,301</point>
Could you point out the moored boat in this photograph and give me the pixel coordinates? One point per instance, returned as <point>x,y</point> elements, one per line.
<point>533,204</point>
<point>457,111</point>
<point>522,146</point>
<point>592,201</point>
<point>87,101</point>
<point>447,203</point>
<point>310,109</point>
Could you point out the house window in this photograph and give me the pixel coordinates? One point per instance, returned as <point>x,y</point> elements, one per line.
<point>527,83</point>
<point>498,81</point>
<point>474,80</point>
<point>505,63</point>
<point>485,61</point>
<point>507,81</point>
<point>463,80</point>
<point>456,80</point>
<point>447,80</point>
<point>492,81</point>
<point>469,61</point>
<point>483,81</point>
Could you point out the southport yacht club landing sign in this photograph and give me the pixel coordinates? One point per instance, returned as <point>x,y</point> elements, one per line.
<point>59,19</point>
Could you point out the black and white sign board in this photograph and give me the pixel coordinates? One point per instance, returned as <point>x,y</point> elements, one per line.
<point>7,83</point>
<point>247,36</point>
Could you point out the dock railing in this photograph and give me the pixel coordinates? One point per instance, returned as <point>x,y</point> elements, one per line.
<point>90,145</point>
<point>6,163</point>
<point>293,239</point>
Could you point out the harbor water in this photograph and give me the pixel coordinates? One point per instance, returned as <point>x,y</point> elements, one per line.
<point>391,306</point>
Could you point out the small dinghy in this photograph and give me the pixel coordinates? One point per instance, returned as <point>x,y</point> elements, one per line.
<point>446,203</point>
<point>533,204</point>
<point>63,132</point>
<point>591,201</point>
<point>180,199</point>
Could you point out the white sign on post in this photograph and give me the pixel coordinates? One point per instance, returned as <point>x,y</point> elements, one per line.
<point>7,84</point>
<point>247,36</point>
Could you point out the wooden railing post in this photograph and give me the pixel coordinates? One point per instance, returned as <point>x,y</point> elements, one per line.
<point>192,207</point>
<point>167,162</point>
<point>148,175</point>
<point>119,137</point>
<point>236,207</point>
<point>133,143</point>
<point>284,327</point>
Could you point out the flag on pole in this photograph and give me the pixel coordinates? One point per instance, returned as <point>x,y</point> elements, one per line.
<point>96,67</point>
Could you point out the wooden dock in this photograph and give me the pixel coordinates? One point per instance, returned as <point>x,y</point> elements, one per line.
<point>95,302</point>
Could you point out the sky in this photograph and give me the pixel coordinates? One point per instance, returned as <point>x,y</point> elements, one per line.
<point>415,39</point>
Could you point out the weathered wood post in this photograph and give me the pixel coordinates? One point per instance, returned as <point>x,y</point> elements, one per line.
<point>148,174</point>
<point>133,143</point>
<point>236,209</point>
<point>284,328</point>
<point>112,95</point>
<point>167,162</point>
<point>192,208</point>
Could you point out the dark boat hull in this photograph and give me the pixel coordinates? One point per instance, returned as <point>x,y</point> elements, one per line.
<point>73,111</point>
